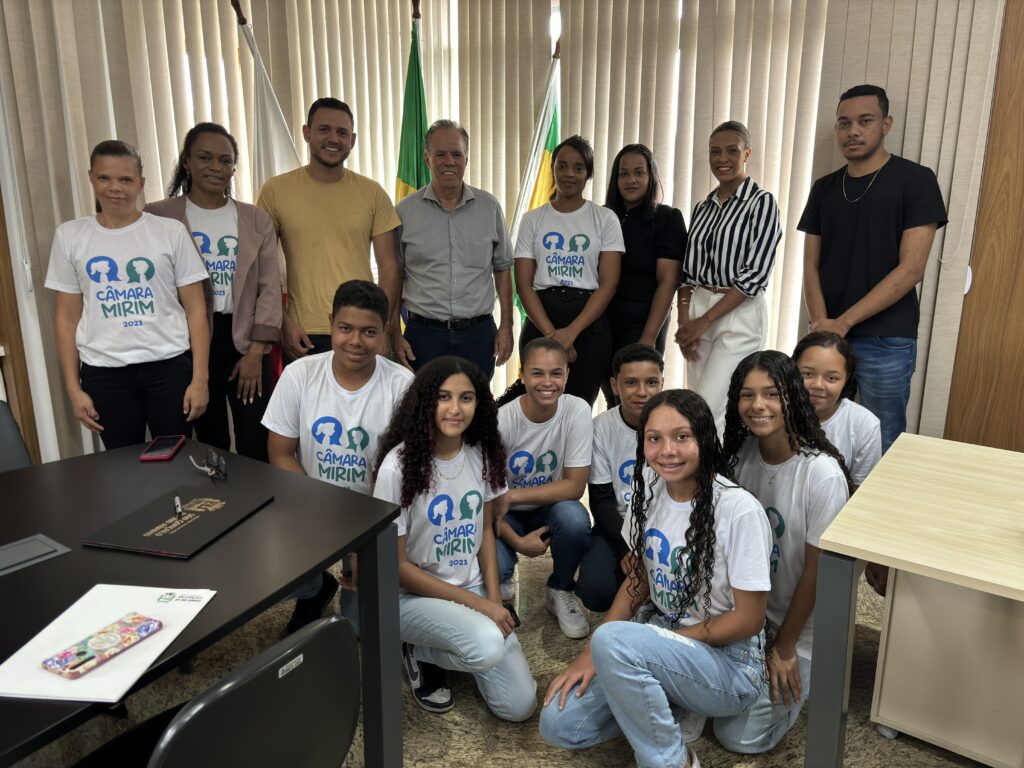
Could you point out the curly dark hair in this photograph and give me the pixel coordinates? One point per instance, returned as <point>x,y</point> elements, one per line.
<point>413,425</point>
<point>181,179</point>
<point>830,340</point>
<point>803,430</point>
<point>700,536</point>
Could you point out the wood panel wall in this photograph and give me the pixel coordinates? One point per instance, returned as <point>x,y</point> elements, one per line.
<point>986,401</point>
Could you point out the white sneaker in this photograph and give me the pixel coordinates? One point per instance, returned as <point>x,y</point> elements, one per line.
<point>692,762</point>
<point>692,726</point>
<point>508,590</point>
<point>568,611</point>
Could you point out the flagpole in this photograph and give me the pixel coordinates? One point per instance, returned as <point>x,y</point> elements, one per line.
<point>537,144</point>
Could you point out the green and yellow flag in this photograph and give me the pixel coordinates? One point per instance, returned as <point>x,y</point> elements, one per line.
<point>544,185</point>
<point>412,169</point>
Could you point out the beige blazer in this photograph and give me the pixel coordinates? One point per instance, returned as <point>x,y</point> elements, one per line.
<point>256,291</point>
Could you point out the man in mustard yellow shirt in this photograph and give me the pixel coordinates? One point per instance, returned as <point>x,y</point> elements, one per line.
<point>326,217</point>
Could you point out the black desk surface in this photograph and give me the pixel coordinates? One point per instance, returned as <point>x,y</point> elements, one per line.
<point>261,561</point>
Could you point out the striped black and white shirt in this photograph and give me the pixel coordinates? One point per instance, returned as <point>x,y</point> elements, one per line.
<point>733,243</point>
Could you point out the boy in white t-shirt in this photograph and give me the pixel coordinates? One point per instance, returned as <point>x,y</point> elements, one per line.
<point>637,376</point>
<point>329,410</point>
<point>548,437</point>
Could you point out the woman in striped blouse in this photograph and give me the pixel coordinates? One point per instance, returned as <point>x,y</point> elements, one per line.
<point>730,254</point>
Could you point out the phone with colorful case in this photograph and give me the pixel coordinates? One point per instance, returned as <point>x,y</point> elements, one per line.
<point>95,650</point>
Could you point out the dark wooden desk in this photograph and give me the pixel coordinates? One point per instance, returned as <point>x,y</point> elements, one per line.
<point>308,526</point>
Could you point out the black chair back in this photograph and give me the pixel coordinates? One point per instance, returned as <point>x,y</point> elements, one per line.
<point>13,453</point>
<point>296,704</point>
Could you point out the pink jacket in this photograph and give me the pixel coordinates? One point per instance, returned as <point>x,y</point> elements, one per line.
<point>256,292</point>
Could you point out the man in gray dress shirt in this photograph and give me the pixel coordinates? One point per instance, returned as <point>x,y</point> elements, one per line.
<point>454,257</point>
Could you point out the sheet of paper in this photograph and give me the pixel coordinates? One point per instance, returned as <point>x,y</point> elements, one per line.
<point>23,676</point>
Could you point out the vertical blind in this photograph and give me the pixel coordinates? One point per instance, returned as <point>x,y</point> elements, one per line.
<point>663,72</point>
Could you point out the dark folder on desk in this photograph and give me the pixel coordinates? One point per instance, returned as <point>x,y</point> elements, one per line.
<point>208,512</point>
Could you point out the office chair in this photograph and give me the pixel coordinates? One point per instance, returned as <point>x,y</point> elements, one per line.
<point>13,453</point>
<point>296,704</point>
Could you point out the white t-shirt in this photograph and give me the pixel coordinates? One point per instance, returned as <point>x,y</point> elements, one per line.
<point>338,430</point>
<point>614,456</point>
<point>856,432</point>
<point>568,246</point>
<point>538,453</point>
<point>215,233</point>
<point>742,545</point>
<point>128,278</point>
<point>443,528</point>
<point>801,496</point>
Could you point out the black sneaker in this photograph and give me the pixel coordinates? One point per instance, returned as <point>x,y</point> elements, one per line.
<point>429,682</point>
<point>312,608</point>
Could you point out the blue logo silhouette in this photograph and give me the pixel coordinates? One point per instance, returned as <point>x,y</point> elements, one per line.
<point>626,471</point>
<point>579,243</point>
<point>520,463</point>
<point>202,241</point>
<point>102,269</point>
<point>652,537</point>
<point>440,509</point>
<point>327,428</point>
<point>554,241</point>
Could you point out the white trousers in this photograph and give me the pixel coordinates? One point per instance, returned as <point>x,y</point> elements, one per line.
<point>728,341</point>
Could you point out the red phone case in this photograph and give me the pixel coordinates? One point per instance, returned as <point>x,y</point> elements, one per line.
<point>166,455</point>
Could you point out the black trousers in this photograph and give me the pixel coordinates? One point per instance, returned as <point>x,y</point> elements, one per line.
<point>593,346</point>
<point>212,427</point>
<point>475,344</point>
<point>627,320</point>
<point>131,397</point>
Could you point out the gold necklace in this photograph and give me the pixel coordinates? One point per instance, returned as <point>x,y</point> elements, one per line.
<point>873,175</point>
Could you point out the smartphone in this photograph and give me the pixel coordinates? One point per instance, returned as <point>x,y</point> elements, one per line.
<point>95,650</point>
<point>515,616</point>
<point>162,448</point>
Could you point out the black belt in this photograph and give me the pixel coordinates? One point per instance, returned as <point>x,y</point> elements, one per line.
<point>457,324</point>
<point>566,290</point>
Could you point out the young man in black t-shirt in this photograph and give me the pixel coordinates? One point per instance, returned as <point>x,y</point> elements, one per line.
<point>869,228</point>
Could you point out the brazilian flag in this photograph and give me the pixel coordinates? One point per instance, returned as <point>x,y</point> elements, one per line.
<point>412,169</point>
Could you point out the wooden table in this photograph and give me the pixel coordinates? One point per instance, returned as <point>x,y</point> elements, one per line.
<point>253,566</point>
<point>949,511</point>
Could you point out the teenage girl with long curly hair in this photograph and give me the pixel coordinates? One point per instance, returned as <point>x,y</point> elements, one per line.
<point>443,462</point>
<point>683,638</point>
<point>776,446</point>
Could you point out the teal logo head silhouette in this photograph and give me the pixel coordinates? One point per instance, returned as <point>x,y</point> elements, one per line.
<point>227,246</point>
<point>579,243</point>
<point>547,461</point>
<point>472,504</point>
<point>140,268</point>
<point>776,522</point>
<point>358,438</point>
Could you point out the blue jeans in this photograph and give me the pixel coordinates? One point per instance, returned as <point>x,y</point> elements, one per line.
<point>762,726</point>
<point>453,636</point>
<point>885,365</point>
<point>569,528</point>
<point>647,676</point>
<point>475,343</point>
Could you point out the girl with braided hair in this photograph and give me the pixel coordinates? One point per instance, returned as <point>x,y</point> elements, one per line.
<point>683,638</point>
<point>776,446</point>
<point>443,462</point>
